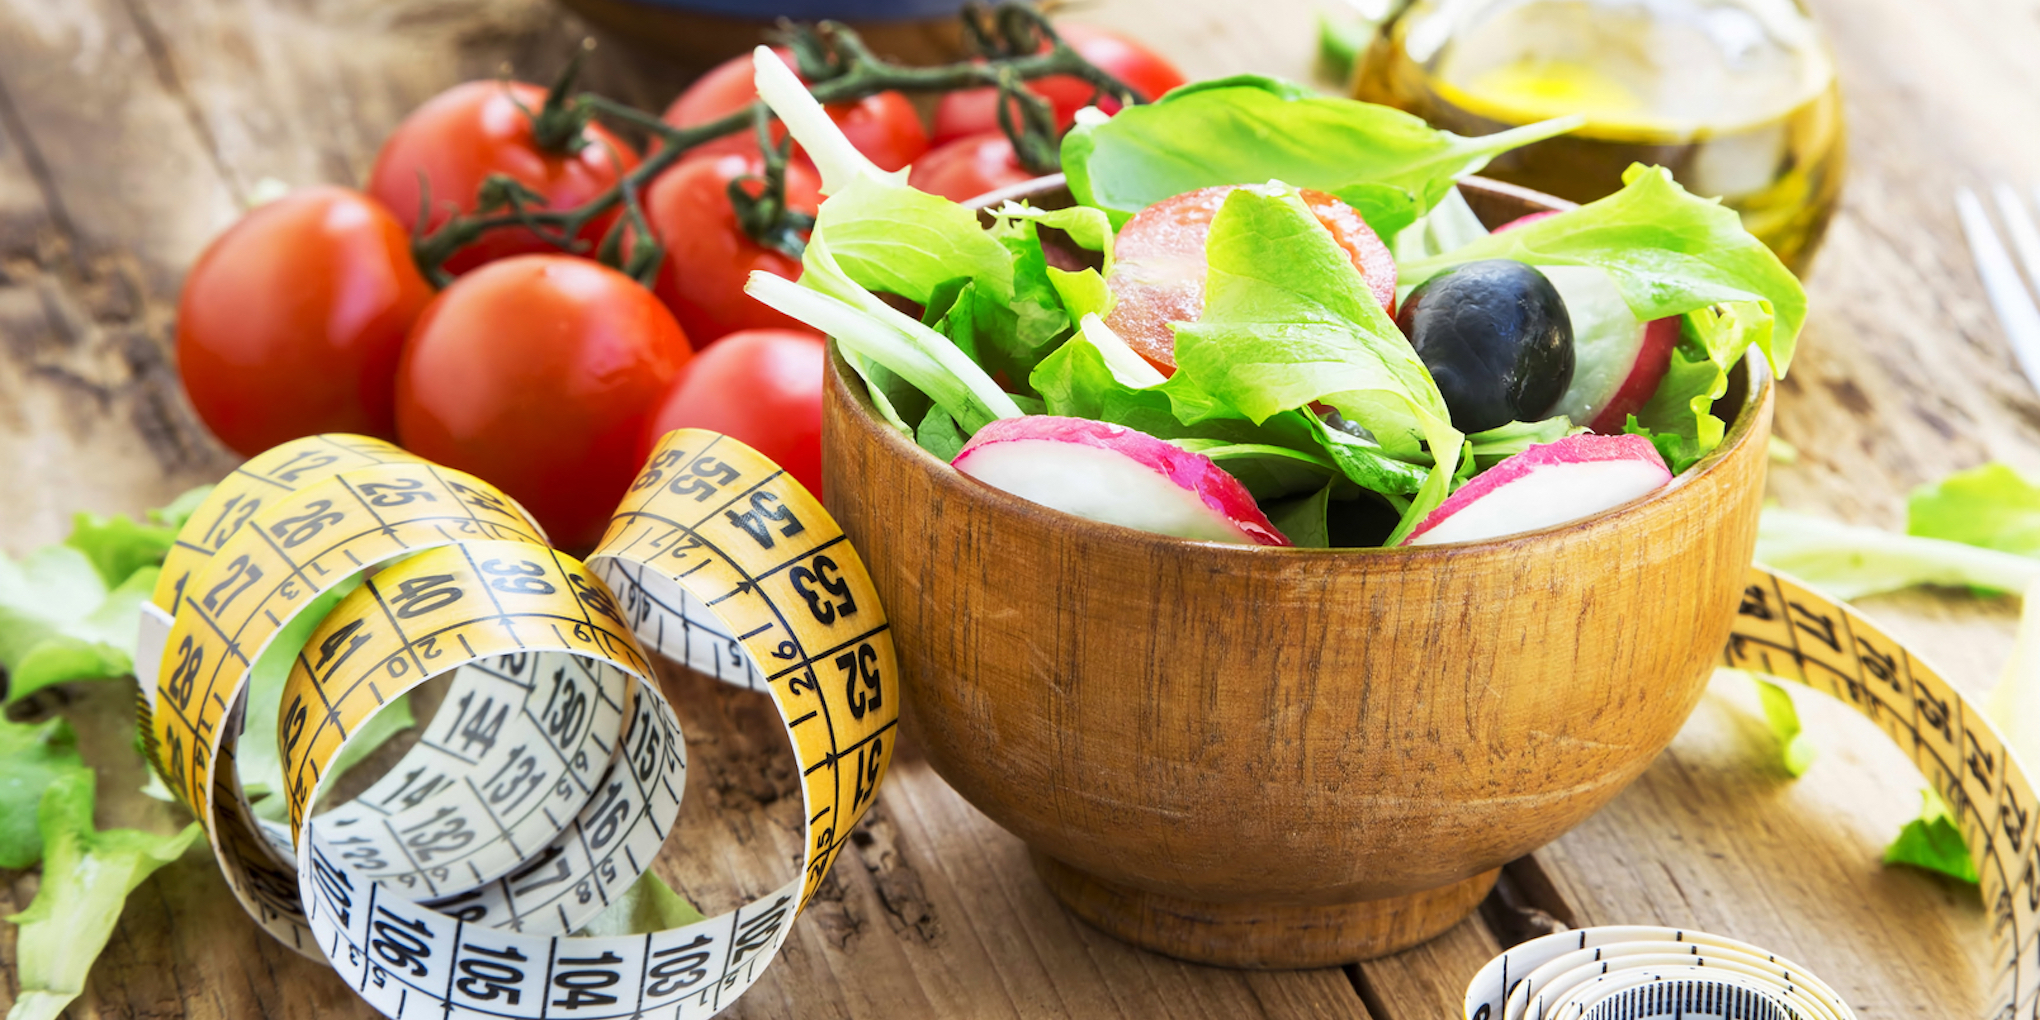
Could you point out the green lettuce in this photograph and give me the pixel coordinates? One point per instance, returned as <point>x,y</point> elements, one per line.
<point>87,875</point>
<point>1504,441</point>
<point>649,905</point>
<point>31,758</point>
<point>1387,164</point>
<point>1301,519</point>
<point>1795,752</point>
<point>1288,321</point>
<point>69,612</point>
<point>1991,507</point>
<point>1850,561</point>
<point>1933,841</point>
<point>60,620</point>
<point>1669,253</point>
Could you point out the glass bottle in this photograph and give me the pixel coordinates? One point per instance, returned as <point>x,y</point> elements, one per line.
<point>1738,98</point>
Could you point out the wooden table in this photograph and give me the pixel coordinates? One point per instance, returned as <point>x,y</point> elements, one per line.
<point>132,130</point>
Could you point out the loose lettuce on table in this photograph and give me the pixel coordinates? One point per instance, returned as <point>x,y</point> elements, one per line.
<point>1990,506</point>
<point>69,612</point>
<point>87,875</point>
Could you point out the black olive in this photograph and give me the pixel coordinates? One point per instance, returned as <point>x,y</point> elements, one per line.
<point>1496,337</point>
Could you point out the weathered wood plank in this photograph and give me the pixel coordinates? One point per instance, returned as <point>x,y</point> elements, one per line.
<point>130,130</point>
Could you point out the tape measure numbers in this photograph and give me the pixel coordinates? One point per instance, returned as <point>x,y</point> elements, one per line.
<point>1787,630</point>
<point>554,769</point>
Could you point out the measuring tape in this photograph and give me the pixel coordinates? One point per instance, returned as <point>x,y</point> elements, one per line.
<point>554,770</point>
<point>1785,629</point>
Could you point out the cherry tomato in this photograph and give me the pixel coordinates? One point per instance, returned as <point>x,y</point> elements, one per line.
<point>472,130</point>
<point>1159,268</point>
<point>761,387</point>
<point>967,167</point>
<point>708,255</point>
<point>885,127</point>
<point>290,323</point>
<point>537,373</point>
<point>972,111</point>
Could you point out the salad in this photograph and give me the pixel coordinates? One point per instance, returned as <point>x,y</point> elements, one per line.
<point>1291,329</point>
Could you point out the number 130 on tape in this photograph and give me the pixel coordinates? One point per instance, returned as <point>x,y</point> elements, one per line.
<point>553,772</point>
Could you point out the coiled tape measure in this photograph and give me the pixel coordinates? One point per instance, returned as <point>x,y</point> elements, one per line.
<point>553,771</point>
<point>1787,630</point>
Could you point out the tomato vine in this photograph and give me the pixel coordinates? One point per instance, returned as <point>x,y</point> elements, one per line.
<point>1013,44</point>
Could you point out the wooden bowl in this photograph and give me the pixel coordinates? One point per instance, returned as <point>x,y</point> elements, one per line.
<point>1277,758</point>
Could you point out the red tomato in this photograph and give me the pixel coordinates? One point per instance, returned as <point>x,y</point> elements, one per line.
<point>475,129</point>
<point>708,255</point>
<point>963,169</point>
<point>972,111</point>
<point>884,127</point>
<point>761,387</point>
<point>537,373</point>
<point>290,323</point>
<point>1159,269</point>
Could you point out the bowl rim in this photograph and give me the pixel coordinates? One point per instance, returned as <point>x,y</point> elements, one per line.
<point>1757,394</point>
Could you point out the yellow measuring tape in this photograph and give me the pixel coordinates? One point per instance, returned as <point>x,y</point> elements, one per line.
<point>1787,630</point>
<point>554,770</point>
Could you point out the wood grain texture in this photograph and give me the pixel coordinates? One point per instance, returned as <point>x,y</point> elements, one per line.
<point>131,129</point>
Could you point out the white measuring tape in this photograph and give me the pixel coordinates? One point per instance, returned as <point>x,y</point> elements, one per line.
<point>1787,630</point>
<point>553,772</point>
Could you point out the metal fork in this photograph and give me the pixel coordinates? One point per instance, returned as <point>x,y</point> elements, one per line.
<point>2008,291</point>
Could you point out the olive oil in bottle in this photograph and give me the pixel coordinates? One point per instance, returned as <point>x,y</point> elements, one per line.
<point>1736,97</point>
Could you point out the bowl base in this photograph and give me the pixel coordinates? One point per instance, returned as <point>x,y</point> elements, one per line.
<point>1256,936</point>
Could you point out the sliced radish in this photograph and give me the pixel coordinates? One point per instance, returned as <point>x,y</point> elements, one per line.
<point>1526,220</point>
<point>1618,360</point>
<point>1158,266</point>
<point>1552,483</point>
<point>1117,475</point>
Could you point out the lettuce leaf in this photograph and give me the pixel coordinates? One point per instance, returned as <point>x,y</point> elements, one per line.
<point>60,621</point>
<point>1850,561</point>
<point>1679,417</point>
<point>1504,441</point>
<point>1933,841</point>
<point>1795,752</point>
<point>1302,519</point>
<point>87,875</point>
<point>1990,506</point>
<point>1387,164</point>
<point>31,758</point>
<point>1288,322</point>
<point>1669,253</point>
<point>649,905</point>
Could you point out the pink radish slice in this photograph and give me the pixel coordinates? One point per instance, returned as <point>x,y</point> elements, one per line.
<point>1524,221</point>
<point>1618,360</point>
<point>1552,483</point>
<point>1158,265</point>
<point>1116,475</point>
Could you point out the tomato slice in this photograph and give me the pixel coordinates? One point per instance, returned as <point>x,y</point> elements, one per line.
<point>1158,266</point>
